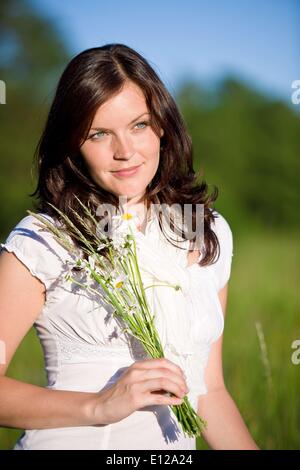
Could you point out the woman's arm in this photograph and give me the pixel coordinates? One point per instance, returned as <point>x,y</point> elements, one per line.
<point>225,426</point>
<point>23,405</point>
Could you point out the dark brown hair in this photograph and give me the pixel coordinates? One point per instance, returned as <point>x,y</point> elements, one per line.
<point>89,80</point>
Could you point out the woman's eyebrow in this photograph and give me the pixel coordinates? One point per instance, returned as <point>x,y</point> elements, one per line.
<point>104,129</point>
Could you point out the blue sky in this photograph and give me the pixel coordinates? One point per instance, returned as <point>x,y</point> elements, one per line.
<point>255,40</point>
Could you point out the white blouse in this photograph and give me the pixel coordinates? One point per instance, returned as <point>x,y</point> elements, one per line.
<point>86,350</point>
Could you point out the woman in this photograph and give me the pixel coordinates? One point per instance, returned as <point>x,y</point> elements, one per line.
<point>111,113</point>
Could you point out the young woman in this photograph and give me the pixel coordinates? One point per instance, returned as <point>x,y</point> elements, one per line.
<point>114,130</point>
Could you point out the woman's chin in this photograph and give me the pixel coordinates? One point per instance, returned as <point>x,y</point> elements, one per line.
<point>131,195</point>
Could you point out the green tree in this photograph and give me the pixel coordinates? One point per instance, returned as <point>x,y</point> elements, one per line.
<point>32,56</point>
<point>248,145</point>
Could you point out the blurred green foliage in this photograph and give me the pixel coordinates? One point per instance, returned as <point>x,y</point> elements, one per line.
<point>32,56</point>
<point>248,146</point>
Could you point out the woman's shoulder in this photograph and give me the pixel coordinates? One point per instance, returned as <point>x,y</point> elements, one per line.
<point>221,226</point>
<point>32,232</point>
<point>35,246</point>
<point>222,266</point>
<point>30,223</point>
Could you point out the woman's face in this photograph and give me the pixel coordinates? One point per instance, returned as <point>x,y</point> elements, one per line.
<point>121,137</point>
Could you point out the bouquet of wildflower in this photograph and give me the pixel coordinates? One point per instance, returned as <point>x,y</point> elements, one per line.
<point>119,276</point>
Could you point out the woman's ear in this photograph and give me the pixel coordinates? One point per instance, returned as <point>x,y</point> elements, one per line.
<point>162,132</point>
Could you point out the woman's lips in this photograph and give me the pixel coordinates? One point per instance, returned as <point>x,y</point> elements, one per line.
<point>124,173</point>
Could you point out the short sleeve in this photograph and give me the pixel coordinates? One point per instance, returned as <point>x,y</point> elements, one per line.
<point>36,248</point>
<point>222,267</point>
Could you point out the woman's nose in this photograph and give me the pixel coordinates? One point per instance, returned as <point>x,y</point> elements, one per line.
<point>124,148</point>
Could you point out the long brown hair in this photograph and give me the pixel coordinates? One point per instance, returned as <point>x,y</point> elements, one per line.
<point>89,80</point>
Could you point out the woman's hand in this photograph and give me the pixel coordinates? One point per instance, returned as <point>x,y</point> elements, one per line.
<point>144,383</point>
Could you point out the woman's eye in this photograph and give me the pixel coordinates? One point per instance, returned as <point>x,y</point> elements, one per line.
<point>96,135</point>
<point>143,123</point>
<point>99,134</point>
